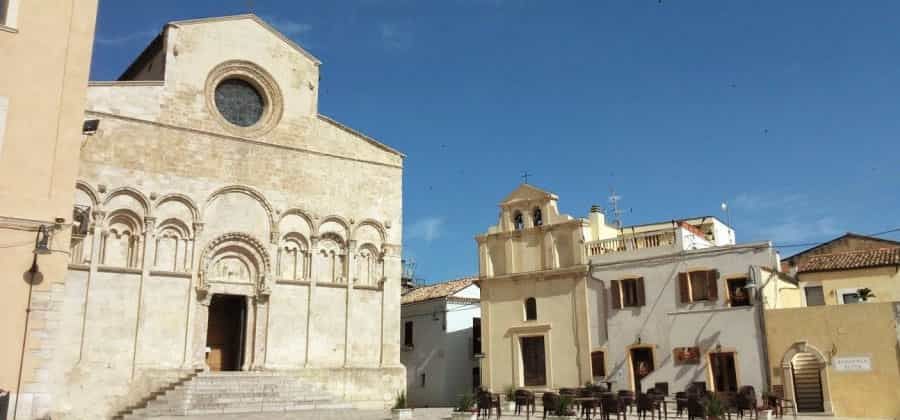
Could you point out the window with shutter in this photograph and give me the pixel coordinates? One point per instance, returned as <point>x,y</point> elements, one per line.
<point>476,335</point>
<point>712,285</point>
<point>632,292</point>
<point>615,294</point>
<point>684,288</point>
<point>530,309</point>
<point>699,286</point>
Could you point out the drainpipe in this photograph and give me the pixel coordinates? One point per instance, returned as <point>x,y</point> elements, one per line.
<point>760,313</point>
<point>605,312</point>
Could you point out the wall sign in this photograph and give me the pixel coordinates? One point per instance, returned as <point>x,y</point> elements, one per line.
<point>687,355</point>
<point>852,364</point>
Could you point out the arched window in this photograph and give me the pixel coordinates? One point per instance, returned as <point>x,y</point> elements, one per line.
<point>293,257</point>
<point>530,309</point>
<point>518,221</point>
<point>122,245</point>
<point>538,217</point>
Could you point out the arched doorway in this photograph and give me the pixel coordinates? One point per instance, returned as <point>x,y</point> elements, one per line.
<point>805,377</point>
<point>232,304</point>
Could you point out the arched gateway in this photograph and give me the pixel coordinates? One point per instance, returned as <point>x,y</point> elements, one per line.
<point>232,304</point>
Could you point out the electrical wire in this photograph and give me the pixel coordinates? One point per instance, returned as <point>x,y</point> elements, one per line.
<point>811,244</point>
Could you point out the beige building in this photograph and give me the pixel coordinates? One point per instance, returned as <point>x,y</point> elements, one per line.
<point>567,301</point>
<point>225,225</point>
<point>46,53</point>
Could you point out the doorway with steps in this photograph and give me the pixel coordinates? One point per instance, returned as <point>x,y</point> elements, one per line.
<point>226,333</point>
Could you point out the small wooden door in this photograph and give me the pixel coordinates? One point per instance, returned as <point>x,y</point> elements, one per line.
<point>641,365</point>
<point>533,363</point>
<point>807,383</point>
<point>723,372</point>
<point>224,335</point>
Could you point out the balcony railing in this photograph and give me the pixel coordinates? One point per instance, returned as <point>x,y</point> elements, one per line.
<point>656,239</point>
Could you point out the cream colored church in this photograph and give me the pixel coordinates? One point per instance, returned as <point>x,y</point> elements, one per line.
<point>222,223</point>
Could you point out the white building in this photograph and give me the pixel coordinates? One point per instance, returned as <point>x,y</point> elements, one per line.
<point>441,338</point>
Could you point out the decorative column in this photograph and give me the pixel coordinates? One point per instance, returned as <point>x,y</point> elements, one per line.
<point>261,322</point>
<point>197,359</point>
<point>192,307</point>
<point>390,307</point>
<point>313,250</point>
<point>149,227</point>
<point>98,237</point>
<point>351,278</point>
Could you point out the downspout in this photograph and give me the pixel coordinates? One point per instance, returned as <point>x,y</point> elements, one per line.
<point>605,317</point>
<point>760,313</point>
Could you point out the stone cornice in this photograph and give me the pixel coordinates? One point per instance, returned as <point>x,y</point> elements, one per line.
<point>539,275</point>
<point>236,138</point>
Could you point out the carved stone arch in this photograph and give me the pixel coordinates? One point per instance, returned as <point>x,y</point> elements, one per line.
<point>336,219</point>
<point>303,215</point>
<point>125,215</point>
<point>802,347</point>
<point>90,191</point>
<point>296,237</point>
<point>249,191</point>
<point>241,240</point>
<point>137,195</point>
<point>374,224</point>
<point>176,224</point>
<point>183,199</point>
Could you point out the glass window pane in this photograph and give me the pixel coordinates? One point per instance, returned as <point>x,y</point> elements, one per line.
<point>814,296</point>
<point>239,102</point>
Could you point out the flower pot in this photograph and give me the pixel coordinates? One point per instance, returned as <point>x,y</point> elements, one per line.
<point>463,415</point>
<point>401,414</point>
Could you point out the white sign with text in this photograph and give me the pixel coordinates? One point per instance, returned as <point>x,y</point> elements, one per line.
<point>852,364</point>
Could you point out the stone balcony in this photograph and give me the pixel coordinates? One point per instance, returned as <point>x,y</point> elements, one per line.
<point>646,244</point>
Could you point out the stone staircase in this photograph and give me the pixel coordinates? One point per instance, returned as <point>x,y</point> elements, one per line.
<point>234,392</point>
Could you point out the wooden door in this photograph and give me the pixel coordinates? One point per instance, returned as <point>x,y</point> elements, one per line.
<point>807,383</point>
<point>723,372</point>
<point>641,365</point>
<point>533,362</point>
<point>224,335</point>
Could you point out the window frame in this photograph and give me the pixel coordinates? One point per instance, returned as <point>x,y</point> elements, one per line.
<point>530,309</point>
<point>843,293</point>
<point>747,295</point>
<point>686,286</point>
<point>408,335</point>
<point>537,217</point>
<point>806,294</point>
<point>518,221</point>
<point>628,292</point>
<point>601,355</point>
<point>476,336</point>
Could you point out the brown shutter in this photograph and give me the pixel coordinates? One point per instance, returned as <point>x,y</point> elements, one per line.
<point>615,294</point>
<point>641,298</point>
<point>712,281</point>
<point>683,288</point>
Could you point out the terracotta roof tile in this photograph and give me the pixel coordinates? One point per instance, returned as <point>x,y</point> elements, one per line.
<point>851,260</point>
<point>436,291</point>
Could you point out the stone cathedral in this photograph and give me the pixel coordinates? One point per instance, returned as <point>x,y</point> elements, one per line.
<point>223,224</point>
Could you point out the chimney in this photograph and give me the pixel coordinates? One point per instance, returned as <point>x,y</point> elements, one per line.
<point>597,220</point>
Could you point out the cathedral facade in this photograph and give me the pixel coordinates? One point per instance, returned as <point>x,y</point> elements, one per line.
<point>222,223</point>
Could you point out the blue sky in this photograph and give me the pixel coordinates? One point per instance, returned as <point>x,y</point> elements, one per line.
<point>788,110</point>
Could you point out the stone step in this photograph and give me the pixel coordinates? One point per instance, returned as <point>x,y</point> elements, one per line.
<point>237,408</point>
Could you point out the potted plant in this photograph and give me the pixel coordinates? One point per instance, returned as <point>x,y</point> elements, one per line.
<point>464,409</point>
<point>400,410</point>
<point>565,409</point>
<point>510,399</point>
<point>714,408</point>
<point>865,294</point>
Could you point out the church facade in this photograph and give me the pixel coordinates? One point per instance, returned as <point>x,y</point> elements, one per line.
<point>222,223</point>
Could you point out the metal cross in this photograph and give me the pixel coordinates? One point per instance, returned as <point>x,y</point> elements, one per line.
<point>525,176</point>
<point>250,6</point>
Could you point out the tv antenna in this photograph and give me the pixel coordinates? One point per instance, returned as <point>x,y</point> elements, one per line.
<point>614,208</point>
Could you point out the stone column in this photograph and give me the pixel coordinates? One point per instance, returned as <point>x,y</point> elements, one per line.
<point>261,321</point>
<point>201,314</point>
<point>192,304</point>
<point>98,234</point>
<point>149,226</point>
<point>390,308</point>
<point>313,250</point>
<point>351,278</point>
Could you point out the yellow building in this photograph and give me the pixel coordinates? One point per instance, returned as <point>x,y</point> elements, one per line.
<point>832,347</point>
<point>46,51</point>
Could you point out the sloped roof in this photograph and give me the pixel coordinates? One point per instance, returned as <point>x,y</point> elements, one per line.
<point>851,260</point>
<point>528,192</point>
<point>437,291</point>
<point>255,18</point>
<point>887,242</point>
